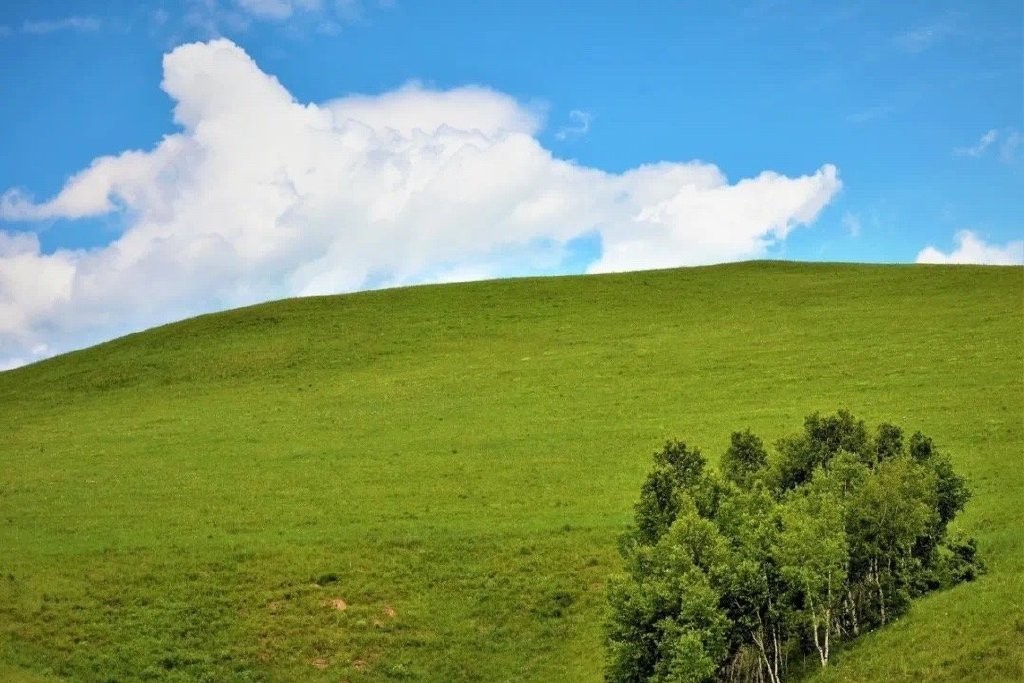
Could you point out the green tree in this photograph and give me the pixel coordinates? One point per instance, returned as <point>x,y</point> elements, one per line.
<point>728,577</point>
<point>821,440</point>
<point>666,623</point>
<point>755,593</point>
<point>679,472</point>
<point>813,555</point>
<point>745,459</point>
<point>888,442</point>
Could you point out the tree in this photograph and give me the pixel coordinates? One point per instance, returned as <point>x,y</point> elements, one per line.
<point>755,591</point>
<point>667,625</point>
<point>813,556</point>
<point>745,459</point>
<point>679,472</point>
<point>727,577</point>
<point>822,439</point>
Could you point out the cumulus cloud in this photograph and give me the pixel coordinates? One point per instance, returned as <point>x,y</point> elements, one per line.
<point>972,249</point>
<point>260,196</point>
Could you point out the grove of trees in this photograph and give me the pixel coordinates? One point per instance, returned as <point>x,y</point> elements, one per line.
<point>737,575</point>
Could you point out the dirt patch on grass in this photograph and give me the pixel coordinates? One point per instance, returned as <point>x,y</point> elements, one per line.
<point>338,604</point>
<point>320,663</point>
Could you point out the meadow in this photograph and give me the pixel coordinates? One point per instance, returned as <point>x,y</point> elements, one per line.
<point>428,483</point>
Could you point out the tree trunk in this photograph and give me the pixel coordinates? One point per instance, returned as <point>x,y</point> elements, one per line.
<point>828,633</point>
<point>852,607</point>
<point>777,654</point>
<point>814,628</point>
<point>828,616</point>
<point>881,593</point>
<point>758,638</point>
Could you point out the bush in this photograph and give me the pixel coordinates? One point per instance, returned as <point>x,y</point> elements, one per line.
<point>730,576</point>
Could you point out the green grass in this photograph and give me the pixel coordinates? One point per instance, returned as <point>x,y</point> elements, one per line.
<point>456,463</point>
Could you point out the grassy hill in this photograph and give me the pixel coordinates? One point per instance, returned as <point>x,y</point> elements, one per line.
<point>452,465</point>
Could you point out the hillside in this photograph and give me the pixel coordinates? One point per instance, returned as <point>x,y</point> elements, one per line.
<point>455,463</point>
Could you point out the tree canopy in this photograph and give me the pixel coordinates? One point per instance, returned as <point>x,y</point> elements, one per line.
<point>731,575</point>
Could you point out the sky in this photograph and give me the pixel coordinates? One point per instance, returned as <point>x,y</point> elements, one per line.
<point>164,159</point>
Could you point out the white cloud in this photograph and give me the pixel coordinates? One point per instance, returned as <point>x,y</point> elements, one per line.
<point>214,18</point>
<point>12,363</point>
<point>580,125</point>
<point>65,24</point>
<point>875,113</point>
<point>972,249</point>
<point>927,36</point>
<point>411,109</point>
<point>979,148</point>
<point>260,196</point>
<point>852,224</point>
<point>1010,148</point>
<point>1006,140</point>
<point>277,9</point>
<point>37,352</point>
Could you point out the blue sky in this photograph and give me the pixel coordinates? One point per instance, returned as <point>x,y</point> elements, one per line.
<point>846,131</point>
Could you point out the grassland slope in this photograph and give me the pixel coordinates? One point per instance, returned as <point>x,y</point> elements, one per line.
<point>427,483</point>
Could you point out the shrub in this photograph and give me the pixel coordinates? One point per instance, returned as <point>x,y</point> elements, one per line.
<point>730,576</point>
